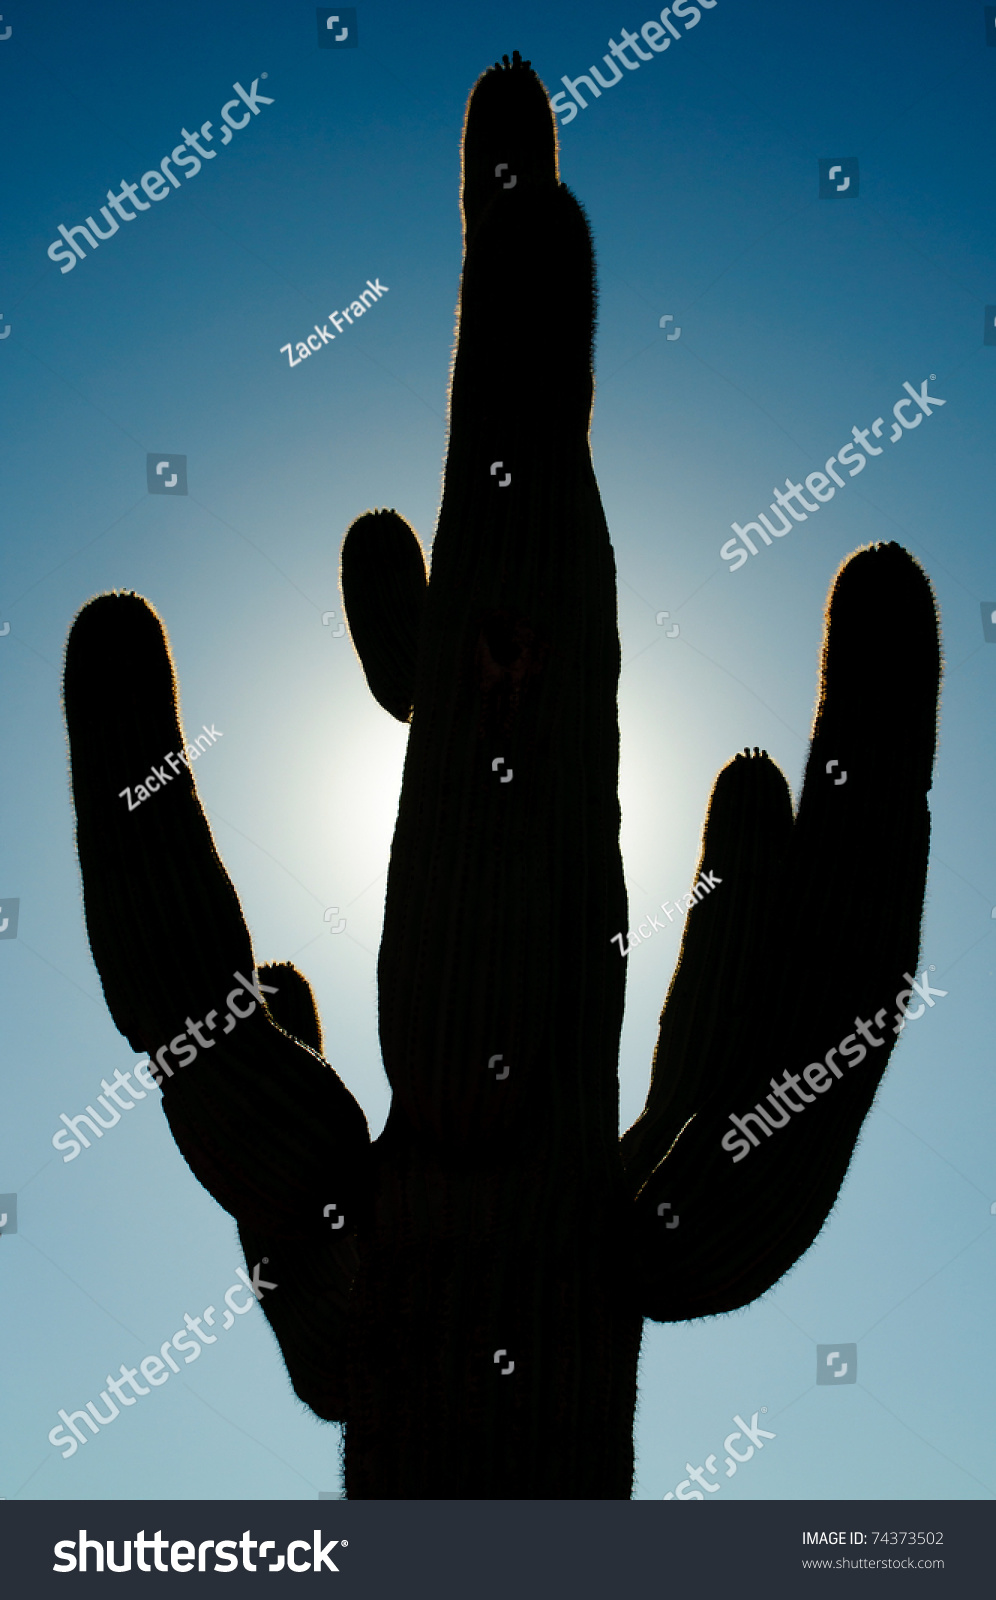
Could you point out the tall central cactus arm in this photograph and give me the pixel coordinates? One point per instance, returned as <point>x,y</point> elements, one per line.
<point>811,932</point>
<point>501,1205</point>
<point>505,880</point>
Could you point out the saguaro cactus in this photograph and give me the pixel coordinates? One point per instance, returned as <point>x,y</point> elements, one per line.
<point>475,1321</point>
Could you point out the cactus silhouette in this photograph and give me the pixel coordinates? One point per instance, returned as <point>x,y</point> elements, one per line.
<point>475,1321</point>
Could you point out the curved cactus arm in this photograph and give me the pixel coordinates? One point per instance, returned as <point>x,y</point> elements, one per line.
<point>805,977</point>
<point>383,590</point>
<point>261,1119</point>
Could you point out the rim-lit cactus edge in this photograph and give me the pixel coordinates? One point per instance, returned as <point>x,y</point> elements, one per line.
<point>475,1323</point>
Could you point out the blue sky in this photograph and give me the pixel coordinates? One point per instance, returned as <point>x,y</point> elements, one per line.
<point>799,319</point>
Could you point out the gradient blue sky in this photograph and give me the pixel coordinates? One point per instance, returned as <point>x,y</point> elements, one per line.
<point>799,318</point>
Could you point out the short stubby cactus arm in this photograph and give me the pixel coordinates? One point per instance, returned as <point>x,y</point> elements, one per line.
<point>805,944</point>
<point>383,590</point>
<point>263,1122</point>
